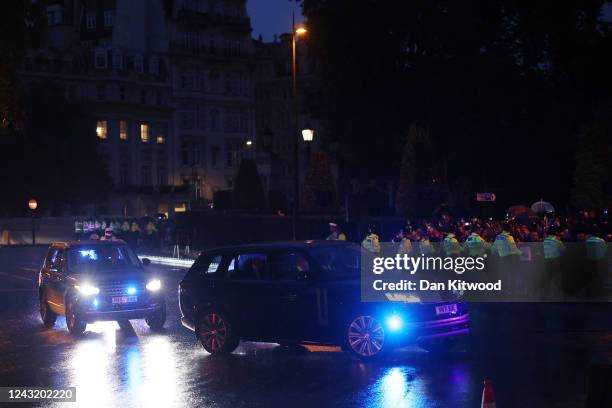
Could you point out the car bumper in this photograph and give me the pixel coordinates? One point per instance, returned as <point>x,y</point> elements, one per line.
<point>135,313</point>
<point>187,323</point>
<point>444,328</point>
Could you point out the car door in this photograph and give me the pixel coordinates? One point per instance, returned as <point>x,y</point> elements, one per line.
<point>56,279</point>
<point>249,297</point>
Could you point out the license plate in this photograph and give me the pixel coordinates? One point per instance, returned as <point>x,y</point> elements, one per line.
<point>124,299</point>
<point>446,309</point>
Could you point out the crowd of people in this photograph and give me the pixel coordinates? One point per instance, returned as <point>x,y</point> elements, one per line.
<point>138,232</point>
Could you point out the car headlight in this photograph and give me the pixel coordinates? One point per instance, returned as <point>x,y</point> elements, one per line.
<point>394,322</point>
<point>154,285</point>
<point>87,289</point>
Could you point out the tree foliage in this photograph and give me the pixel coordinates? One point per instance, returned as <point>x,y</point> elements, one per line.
<point>496,82</point>
<point>53,157</point>
<point>319,191</point>
<point>248,192</point>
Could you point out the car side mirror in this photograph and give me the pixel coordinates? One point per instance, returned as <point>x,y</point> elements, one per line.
<point>146,262</point>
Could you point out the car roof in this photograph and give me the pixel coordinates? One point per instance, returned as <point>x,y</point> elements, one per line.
<point>89,242</point>
<point>310,244</point>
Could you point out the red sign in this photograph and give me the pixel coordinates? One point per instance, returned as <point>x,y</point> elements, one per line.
<point>32,204</point>
<point>485,197</point>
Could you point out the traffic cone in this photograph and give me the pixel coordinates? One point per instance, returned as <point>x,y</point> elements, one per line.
<point>488,397</point>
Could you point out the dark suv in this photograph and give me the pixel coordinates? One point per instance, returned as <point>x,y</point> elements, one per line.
<point>304,292</point>
<point>89,281</point>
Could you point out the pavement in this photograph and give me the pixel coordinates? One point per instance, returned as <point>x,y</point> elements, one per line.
<point>535,355</point>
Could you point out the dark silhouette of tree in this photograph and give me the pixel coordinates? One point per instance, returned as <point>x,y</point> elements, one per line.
<point>592,172</point>
<point>248,192</point>
<point>496,82</point>
<point>319,191</point>
<point>54,156</point>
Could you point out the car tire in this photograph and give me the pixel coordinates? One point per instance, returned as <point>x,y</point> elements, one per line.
<point>216,333</point>
<point>47,316</point>
<point>76,326</point>
<point>364,338</point>
<point>156,320</point>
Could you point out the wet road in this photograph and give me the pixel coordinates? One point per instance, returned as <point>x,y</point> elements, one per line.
<point>537,356</point>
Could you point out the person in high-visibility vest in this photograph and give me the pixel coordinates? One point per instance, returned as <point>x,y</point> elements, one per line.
<point>371,242</point>
<point>475,245</point>
<point>451,245</point>
<point>596,267</point>
<point>335,233</point>
<point>550,284</point>
<point>404,245</point>
<point>505,248</point>
<point>424,245</point>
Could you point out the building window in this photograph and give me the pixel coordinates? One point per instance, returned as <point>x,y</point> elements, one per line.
<point>121,93</point>
<point>109,18</point>
<point>232,120</point>
<point>54,14</point>
<point>90,21</point>
<point>102,129</point>
<point>162,176</point>
<point>143,96</point>
<point>244,120</point>
<point>101,92</point>
<point>123,130</point>
<point>145,176</point>
<point>124,175</point>
<point>188,116</point>
<point>154,65</point>
<point>214,120</point>
<point>100,60</point>
<point>214,156</point>
<point>185,154</point>
<point>138,64</point>
<point>144,133</point>
<point>233,152</point>
<point>117,60</point>
<point>186,80</point>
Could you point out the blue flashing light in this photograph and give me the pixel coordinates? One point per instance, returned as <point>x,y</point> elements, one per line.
<point>89,254</point>
<point>131,290</point>
<point>394,322</point>
<point>95,303</point>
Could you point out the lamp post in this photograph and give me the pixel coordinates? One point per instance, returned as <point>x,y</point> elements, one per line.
<point>32,205</point>
<point>308,136</point>
<point>296,32</point>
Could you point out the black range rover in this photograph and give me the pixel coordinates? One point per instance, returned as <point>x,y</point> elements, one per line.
<point>89,281</point>
<point>304,292</point>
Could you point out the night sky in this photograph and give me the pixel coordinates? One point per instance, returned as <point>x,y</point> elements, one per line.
<point>269,17</point>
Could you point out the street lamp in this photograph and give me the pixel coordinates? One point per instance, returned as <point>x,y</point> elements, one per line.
<point>32,205</point>
<point>308,134</point>
<point>295,34</point>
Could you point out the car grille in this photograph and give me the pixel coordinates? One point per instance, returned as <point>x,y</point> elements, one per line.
<point>117,288</point>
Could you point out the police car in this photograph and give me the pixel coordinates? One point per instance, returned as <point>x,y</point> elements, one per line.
<point>304,292</point>
<point>96,280</point>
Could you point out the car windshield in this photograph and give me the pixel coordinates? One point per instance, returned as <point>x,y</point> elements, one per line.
<point>338,262</point>
<point>102,257</point>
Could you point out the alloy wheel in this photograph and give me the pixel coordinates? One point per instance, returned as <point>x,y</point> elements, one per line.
<point>213,332</point>
<point>366,336</point>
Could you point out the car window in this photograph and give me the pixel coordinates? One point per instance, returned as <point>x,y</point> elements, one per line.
<point>55,258</point>
<point>51,257</point>
<point>102,257</point>
<point>252,266</point>
<point>287,266</point>
<point>338,262</point>
<point>214,264</point>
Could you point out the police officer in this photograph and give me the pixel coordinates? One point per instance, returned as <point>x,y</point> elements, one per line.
<point>371,242</point>
<point>335,233</point>
<point>404,242</point>
<point>551,279</point>
<point>450,243</point>
<point>425,246</point>
<point>596,254</point>
<point>507,251</point>
<point>475,245</point>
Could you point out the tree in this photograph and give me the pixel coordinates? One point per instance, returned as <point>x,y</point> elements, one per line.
<point>54,156</point>
<point>248,192</point>
<point>319,191</point>
<point>592,172</point>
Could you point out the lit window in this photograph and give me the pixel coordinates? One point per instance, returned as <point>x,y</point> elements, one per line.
<point>144,132</point>
<point>90,21</point>
<point>109,18</point>
<point>100,60</point>
<point>102,129</point>
<point>123,130</point>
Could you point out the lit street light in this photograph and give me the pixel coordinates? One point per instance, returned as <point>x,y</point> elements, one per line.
<point>295,34</point>
<point>32,205</point>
